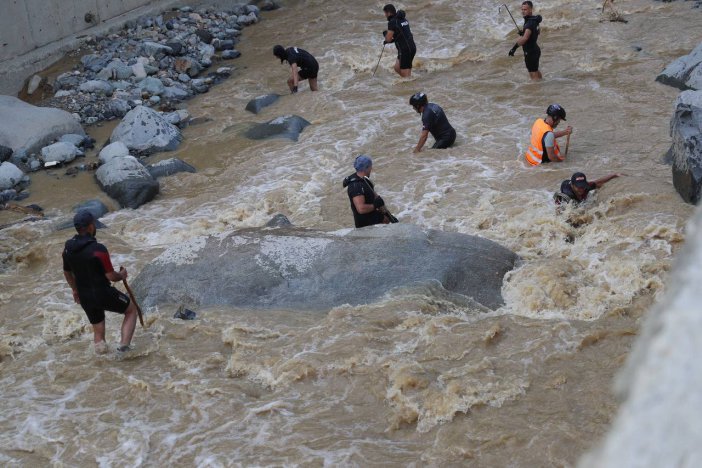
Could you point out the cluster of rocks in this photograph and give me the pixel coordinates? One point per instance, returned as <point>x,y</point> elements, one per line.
<point>155,61</point>
<point>685,153</point>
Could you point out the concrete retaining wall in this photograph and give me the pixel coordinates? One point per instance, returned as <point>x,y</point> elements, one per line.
<point>36,33</point>
<point>28,24</point>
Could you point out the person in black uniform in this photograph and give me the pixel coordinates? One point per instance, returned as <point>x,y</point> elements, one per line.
<point>434,121</point>
<point>303,66</point>
<point>88,270</point>
<point>399,32</point>
<point>367,206</point>
<point>527,40</point>
<point>577,188</point>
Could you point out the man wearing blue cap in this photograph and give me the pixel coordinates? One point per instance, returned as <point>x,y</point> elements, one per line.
<point>88,270</point>
<point>367,206</point>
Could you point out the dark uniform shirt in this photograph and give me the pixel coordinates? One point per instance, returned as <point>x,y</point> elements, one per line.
<point>567,190</point>
<point>89,261</point>
<point>532,23</point>
<point>362,186</point>
<point>401,34</point>
<point>434,119</point>
<point>301,58</point>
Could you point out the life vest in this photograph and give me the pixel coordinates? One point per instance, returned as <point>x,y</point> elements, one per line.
<point>535,153</point>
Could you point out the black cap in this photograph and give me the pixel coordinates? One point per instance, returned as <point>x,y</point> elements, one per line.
<point>579,180</point>
<point>83,219</point>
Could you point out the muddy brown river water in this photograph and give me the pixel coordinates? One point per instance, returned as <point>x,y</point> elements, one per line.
<point>414,379</point>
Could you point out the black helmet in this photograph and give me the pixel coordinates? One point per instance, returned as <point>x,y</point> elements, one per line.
<point>419,99</point>
<point>279,51</point>
<point>556,111</point>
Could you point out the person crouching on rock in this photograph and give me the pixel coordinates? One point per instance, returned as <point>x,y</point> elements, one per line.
<point>303,66</point>
<point>434,121</point>
<point>367,206</point>
<point>88,270</point>
<point>577,188</point>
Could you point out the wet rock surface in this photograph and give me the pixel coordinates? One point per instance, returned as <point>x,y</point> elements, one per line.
<point>257,104</point>
<point>684,72</point>
<point>303,269</point>
<point>287,126</point>
<point>126,180</point>
<point>686,149</point>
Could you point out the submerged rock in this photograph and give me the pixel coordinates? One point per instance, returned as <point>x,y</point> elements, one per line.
<point>256,104</point>
<point>288,126</point>
<point>146,131</point>
<point>26,128</point>
<point>686,150</point>
<point>302,269</point>
<point>168,167</point>
<point>684,72</point>
<point>126,180</point>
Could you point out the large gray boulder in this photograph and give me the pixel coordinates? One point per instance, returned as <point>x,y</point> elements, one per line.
<point>26,128</point>
<point>294,268</point>
<point>287,126</point>
<point>686,150</point>
<point>10,175</point>
<point>145,131</point>
<point>658,423</point>
<point>685,72</point>
<point>126,180</point>
<point>256,104</point>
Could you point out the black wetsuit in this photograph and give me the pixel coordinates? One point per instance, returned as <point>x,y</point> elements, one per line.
<point>532,52</point>
<point>307,65</point>
<point>402,37</point>
<point>362,186</point>
<point>434,119</point>
<point>567,190</point>
<point>89,261</point>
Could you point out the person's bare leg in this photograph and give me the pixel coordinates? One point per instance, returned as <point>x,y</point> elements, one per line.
<point>535,75</point>
<point>313,84</point>
<point>99,338</point>
<point>99,332</point>
<point>405,72</point>
<point>128,324</point>
<point>397,67</point>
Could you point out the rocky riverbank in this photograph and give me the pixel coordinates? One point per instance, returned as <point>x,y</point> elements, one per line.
<point>685,152</point>
<point>141,74</point>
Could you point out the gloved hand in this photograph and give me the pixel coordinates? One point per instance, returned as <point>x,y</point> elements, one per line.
<point>294,90</point>
<point>521,32</point>
<point>513,50</point>
<point>378,202</point>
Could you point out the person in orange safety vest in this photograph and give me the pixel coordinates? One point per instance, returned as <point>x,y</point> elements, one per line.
<point>543,147</point>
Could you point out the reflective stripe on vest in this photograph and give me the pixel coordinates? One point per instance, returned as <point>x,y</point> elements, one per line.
<point>535,152</point>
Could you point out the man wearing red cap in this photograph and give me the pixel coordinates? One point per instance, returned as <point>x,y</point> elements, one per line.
<point>88,270</point>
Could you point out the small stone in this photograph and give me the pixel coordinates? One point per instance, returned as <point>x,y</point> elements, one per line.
<point>64,93</point>
<point>139,71</point>
<point>33,84</point>
<point>231,54</point>
<point>183,77</point>
<point>204,35</point>
<point>154,100</point>
<point>60,152</point>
